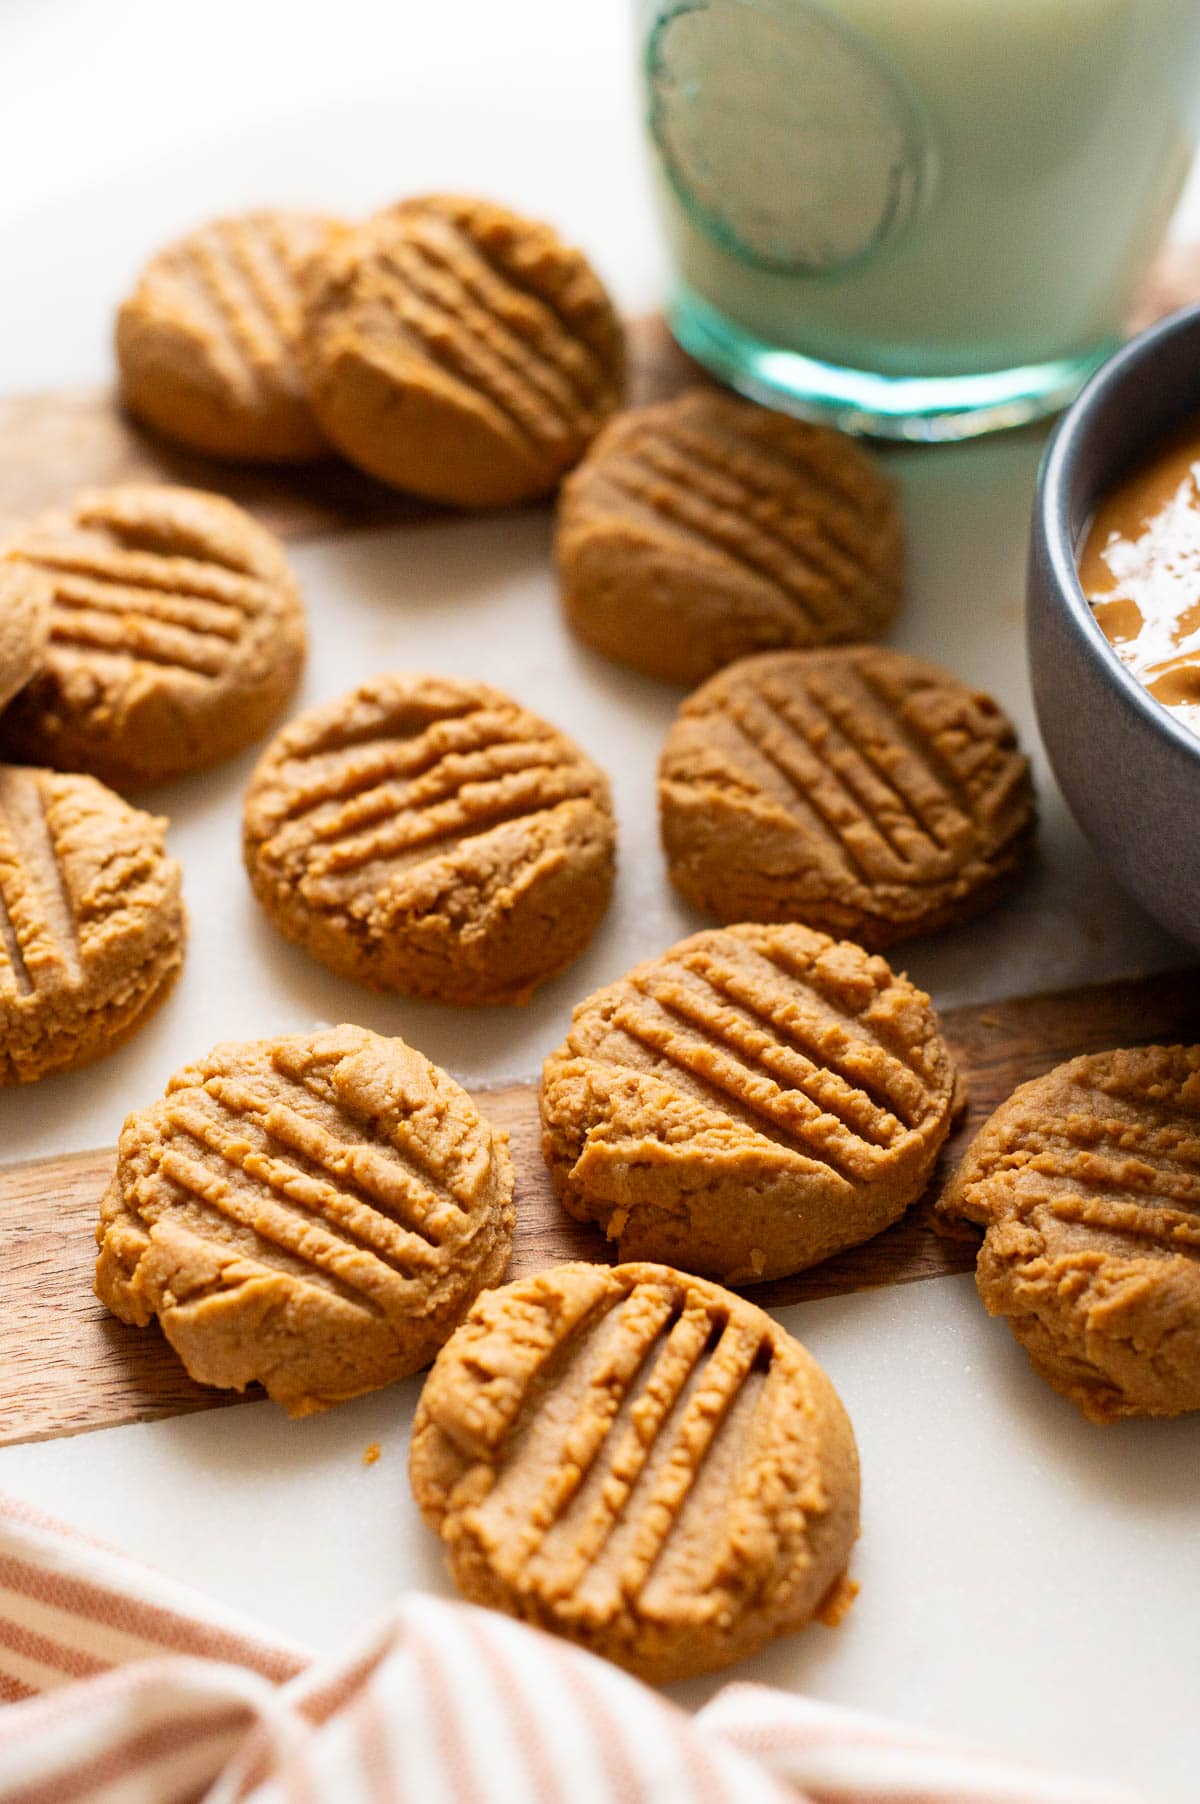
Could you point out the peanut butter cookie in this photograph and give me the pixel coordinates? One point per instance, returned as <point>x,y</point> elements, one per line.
<point>857,790</point>
<point>460,351</point>
<point>429,835</point>
<point>1087,1181</point>
<point>752,1101</point>
<point>25,597</point>
<point>703,528</point>
<point>314,1214</point>
<point>176,635</point>
<point>639,1461</point>
<point>91,922</point>
<point>206,342</point>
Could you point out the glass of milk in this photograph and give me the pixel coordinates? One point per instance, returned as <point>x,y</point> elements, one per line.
<point>921,218</point>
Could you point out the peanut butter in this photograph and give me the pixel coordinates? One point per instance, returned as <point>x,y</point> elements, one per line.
<point>1140,569</point>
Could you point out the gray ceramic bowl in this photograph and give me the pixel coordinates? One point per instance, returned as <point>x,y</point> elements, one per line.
<point>1130,772</point>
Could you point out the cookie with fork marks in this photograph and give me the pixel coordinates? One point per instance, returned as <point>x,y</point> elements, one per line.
<point>858,790</point>
<point>1087,1184</point>
<point>314,1213</point>
<point>748,1103</point>
<point>640,1461</point>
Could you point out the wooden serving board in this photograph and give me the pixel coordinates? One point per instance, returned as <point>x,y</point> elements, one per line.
<point>53,444</point>
<point>66,1365</point>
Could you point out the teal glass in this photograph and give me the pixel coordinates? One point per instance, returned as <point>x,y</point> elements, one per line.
<point>922,219</point>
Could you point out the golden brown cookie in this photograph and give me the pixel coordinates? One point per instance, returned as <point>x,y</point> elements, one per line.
<point>430,835</point>
<point>207,340</point>
<point>857,790</point>
<point>1088,1183</point>
<point>176,635</point>
<point>25,597</point>
<point>314,1214</point>
<point>91,921</point>
<point>748,1103</point>
<point>704,528</point>
<point>639,1461</point>
<point>459,350</point>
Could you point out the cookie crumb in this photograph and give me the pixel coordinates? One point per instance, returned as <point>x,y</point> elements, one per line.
<point>371,1453</point>
<point>837,1601</point>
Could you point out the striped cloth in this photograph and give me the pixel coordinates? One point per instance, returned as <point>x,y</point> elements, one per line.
<point>124,1687</point>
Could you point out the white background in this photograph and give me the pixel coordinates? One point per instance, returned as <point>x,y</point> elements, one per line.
<point>1027,1579</point>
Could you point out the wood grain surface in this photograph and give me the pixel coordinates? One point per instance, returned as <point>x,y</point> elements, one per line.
<point>54,443</point>
<point>66,1365</point>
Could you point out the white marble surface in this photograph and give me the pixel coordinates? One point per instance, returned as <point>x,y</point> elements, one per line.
<point>1027,1580</point>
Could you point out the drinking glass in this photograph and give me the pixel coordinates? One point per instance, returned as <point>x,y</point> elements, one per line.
<point>923,218</point>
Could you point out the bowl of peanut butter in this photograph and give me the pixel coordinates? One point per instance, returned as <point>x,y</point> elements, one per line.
<point>1114,616</point>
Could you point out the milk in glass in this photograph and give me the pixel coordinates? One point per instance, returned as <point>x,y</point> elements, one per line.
<point>956,193</point>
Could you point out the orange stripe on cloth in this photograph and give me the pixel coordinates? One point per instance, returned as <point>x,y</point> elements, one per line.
<point>44,1650</point>
<point>123,1758</point>
<point>150,1622</point>
<point>523,1715</point>
<point>375,1750</point>
<point>448,1725</point>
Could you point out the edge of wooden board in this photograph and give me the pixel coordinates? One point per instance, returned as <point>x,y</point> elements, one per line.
<point>55,442</point>
<point>68,1367</point>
